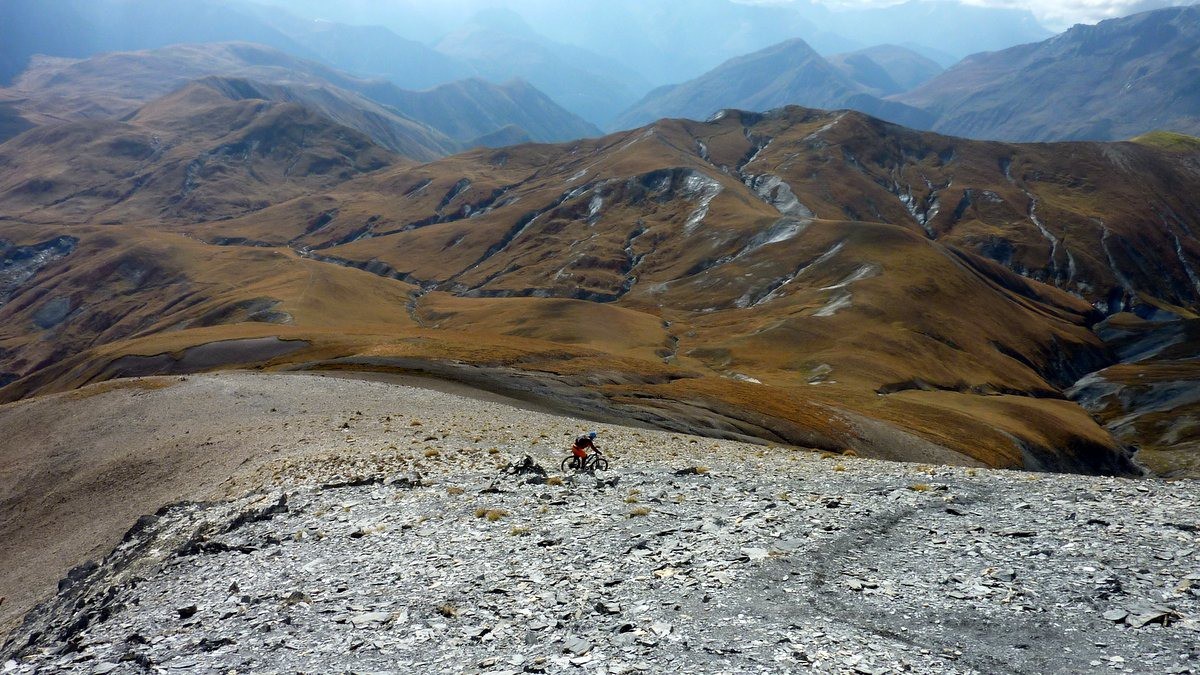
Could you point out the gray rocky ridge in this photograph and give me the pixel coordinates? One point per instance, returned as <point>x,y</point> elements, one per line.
<point>411,548</point>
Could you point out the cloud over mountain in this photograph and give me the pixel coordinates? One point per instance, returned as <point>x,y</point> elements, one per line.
<point>1053,13</point>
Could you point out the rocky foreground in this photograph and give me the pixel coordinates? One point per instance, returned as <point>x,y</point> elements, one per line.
<point>411,548</point>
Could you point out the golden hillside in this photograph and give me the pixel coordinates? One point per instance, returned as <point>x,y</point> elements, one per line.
<point>821,279</point>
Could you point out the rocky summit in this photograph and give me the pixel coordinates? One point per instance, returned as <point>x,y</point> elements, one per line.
<point>443,536</point>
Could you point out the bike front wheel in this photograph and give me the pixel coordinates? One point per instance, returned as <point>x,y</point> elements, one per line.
<point>600,464</point>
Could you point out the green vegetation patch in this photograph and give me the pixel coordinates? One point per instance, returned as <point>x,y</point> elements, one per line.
<point>1169,141</point>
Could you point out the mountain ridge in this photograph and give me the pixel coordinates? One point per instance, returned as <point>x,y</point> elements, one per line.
<point>385,126</point>
<point>501,46</point>
<point>196,153</point>
<point>886,69</point>
<point>1115,80</point>
<point>789,73</point>
<point>113,85</point>
<point>794,276</point>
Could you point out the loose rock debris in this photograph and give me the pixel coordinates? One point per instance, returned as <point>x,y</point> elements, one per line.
<point>757,564</point>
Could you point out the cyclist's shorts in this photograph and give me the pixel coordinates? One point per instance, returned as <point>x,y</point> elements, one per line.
<point>579,452</point>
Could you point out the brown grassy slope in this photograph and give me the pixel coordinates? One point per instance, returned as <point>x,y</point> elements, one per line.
<point>1113,217</point>
<point>206,157</point>
<point>383,125</point>
<point>530,262</point>
<point>736,261</point>
<point>116,85</point>
<point>1154,405</point>
<point>1151,399</point>
<point>124,282</point>
<point>1096,200</point>
<point>606,327</point>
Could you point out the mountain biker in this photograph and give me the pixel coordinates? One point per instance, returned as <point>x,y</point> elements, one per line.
<point>580,448</point>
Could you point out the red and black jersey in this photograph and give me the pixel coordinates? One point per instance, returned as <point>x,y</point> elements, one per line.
<point>584,442</point>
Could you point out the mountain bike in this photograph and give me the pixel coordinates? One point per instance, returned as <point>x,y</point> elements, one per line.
<point>592,463</point>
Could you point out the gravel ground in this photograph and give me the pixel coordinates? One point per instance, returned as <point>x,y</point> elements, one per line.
<point>77,468</point>
<point>408,548</point>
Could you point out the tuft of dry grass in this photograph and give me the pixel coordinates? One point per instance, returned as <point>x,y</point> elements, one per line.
<point>447,610</point>
<point>919,487</point>
<point>454,491</point>
<point>431,452</point>
<point>520,531</point>
<point>491,515</point>
<point>849,452</point>
<point>639,512</point>
<point>828,455</point>
<point>839,467</point>
<point>554,480</point>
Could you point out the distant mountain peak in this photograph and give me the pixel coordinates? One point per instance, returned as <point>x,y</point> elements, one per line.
<point>788,73</point>
<point>884,70</point>
<point>421,125</point>
<point>504,20</point>
<point>1109,81</point>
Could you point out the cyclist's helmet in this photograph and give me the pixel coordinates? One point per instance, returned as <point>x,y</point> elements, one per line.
<point>592,435</point>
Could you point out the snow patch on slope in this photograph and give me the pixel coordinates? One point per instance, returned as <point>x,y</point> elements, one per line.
<point>776,192</point>
<point>776,287</point>
<point>594,207</point>
<point>1052,265</point>
<point>1187,266</point>
<point>863,272</point>
<point>837,302</point>
<point>703,188</point>
<point>783,230</point>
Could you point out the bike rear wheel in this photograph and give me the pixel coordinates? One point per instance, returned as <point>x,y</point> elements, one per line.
<point>569,463</point>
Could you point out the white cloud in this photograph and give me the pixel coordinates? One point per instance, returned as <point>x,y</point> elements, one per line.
<point>1061,13</point>
<point>1055,14</point>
